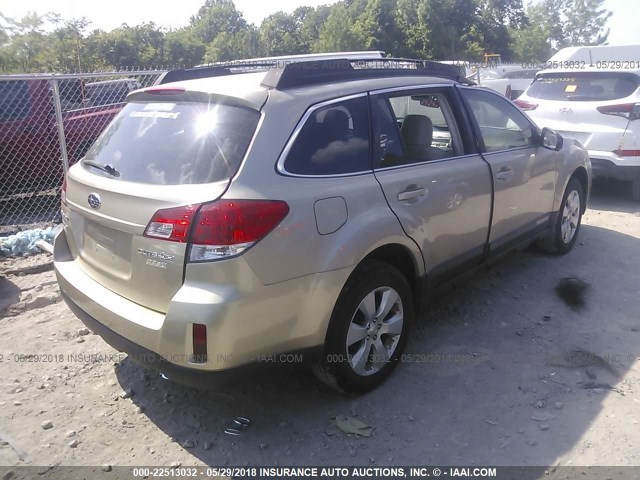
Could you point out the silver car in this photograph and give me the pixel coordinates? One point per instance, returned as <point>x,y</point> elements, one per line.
<point>232,218</point>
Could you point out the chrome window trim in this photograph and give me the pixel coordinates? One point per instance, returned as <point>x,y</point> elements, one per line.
<point>515,149</point>
<point>428,162</point>
<point>296,131</point>
<point>411,87</point>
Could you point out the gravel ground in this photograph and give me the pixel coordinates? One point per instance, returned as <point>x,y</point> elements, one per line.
<point>502,372</point>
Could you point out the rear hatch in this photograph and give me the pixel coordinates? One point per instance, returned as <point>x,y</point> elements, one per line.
<point>145,174</point>
<point>593,107</point>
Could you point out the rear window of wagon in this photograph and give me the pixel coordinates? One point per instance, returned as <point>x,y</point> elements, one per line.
<point>583,86</point>
<point>176,143</point>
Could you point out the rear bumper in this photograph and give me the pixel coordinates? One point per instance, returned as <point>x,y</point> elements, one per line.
<point>188,376</point>
<point>606,168</point>
<point>247,322</point>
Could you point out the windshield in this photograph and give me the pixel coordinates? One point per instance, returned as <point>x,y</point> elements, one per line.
<point>175,143</point>
<point>583,86</point>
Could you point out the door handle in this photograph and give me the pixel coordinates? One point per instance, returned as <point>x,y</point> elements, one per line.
<point>504,174</point>
<point>410,194</point>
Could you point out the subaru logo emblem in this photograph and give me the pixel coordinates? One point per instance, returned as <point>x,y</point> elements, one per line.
<point>94,200</point>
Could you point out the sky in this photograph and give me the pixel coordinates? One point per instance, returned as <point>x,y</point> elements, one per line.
<point>110,14</point>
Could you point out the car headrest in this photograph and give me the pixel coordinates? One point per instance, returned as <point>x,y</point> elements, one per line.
<point>336,125</point>
<point>417,130</point>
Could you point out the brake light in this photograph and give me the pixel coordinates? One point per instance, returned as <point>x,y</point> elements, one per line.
<point>220,229</point>
<point>226,228</point>
<point>164,90</point>
<point>525,105</point>
<point>171,223</point>
<point>627,153</point>
<point>630,111</point>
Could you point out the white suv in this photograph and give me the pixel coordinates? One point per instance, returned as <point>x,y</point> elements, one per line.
<point>597,104</point>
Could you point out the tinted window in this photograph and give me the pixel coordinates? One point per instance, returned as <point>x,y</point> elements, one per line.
<point>502,125</point>
<point>583,86</point>
<point>174,144</point>
<point>333,140</point>
<point>411,128</point>
<point>14,100</point>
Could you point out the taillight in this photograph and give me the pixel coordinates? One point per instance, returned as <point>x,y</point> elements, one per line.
<point>630,111</point>
<point>220,229</point>
<point>226,228</point>
<point>525,105</point>
<point>627,153</point>
<point>171,223</point>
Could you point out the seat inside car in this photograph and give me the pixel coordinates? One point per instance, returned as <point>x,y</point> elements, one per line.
<point>417,135</point>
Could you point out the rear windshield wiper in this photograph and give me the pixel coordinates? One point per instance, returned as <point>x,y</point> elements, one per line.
<point>101,166</point>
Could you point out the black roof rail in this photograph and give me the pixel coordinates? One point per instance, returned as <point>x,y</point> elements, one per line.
<point>303,74</point>
<point>284,75</point>
<point>213,70</point>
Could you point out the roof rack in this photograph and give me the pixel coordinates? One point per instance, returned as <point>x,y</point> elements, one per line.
<point>282,75</point>
<point>217,69</point>
<point>303,74</point>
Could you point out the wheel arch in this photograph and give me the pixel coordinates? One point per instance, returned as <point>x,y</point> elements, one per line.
<point>582,176</point>
<point>400,257</point>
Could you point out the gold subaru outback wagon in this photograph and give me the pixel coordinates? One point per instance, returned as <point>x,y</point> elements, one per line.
<point>302,210</point>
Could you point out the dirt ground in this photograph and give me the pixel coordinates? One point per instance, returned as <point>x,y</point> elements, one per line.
<point>502,372</point>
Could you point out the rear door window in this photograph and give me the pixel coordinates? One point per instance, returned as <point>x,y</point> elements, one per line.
<point>176,143</point>
<point>334,140</point>
<point>413,127</point>
<point>583,86</point>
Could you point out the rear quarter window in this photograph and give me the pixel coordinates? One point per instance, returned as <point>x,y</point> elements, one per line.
<point>176,143</point>
<point>583,86</point>
<point>334,140</point>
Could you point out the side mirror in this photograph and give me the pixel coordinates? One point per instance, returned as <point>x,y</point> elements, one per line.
<point>551,140</point>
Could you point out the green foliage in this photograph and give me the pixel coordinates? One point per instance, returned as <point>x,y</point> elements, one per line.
<point>280,34</point>
<point>337,33</point>
<point>438,29</point>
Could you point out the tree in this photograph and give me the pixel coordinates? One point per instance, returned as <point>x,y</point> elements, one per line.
<point>531,43</point>
<point>493,24</point>
<point>235,46</point>
<point>585,24</point>
<point>448,26</point>
<point>279,34</point>
<point>215,17</point>
<point>379,28</point>
<point>336,34</point>
<point>182,48</point>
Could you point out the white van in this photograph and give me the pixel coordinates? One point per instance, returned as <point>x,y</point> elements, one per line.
<point>592,94</point>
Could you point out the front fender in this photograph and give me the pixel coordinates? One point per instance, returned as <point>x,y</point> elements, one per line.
<point>574,157</point>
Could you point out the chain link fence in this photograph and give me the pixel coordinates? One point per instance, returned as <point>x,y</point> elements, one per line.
<point>47,123</point>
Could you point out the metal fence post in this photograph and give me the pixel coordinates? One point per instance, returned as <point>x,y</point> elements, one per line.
<point>58,108</point>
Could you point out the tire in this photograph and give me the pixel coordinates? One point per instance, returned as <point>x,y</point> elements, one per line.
<point>564,234</point>
<point>346,368</point>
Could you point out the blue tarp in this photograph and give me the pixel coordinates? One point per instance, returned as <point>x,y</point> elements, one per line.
<point>24,243</point>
